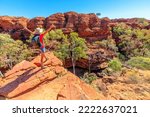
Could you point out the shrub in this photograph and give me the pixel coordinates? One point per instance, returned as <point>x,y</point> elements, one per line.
<point>133,79</point>
<point>109,44</point>
<point>132,42</point>
<point>11,51</point>
<point>115,65</point>
<point>140,63</point>
<point>133,76</point>
<point>114,68</point>
<point>53,38</point>
<point>143,22</point>
<point>122,29</point>
<point>121,56</point>
<point>89,77</point>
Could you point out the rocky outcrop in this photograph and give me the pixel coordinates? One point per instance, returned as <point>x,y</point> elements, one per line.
<point>88,26</point>
<point>35,22</point>
<point>14,26</point>
<point>12,23</point>
<point>27,81</point>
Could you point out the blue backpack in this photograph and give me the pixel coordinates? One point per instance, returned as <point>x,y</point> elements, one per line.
<point>36,39</point>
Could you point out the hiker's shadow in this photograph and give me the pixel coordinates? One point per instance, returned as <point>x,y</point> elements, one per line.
<point>14,84</point>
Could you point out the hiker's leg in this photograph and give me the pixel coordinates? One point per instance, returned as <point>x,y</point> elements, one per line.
<point>42,56</point>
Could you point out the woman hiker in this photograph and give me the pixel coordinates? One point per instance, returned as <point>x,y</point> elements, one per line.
<point>38,39</point>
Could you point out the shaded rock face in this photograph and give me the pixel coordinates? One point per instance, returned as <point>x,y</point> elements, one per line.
<point>97,60</point>
<point>13,26</point>
<point>148,27</point>
<point>88,26</point>
<point>12,23</point>
<point>27,81</point>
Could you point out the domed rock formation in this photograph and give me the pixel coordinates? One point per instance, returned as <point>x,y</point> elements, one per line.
<point>37,21</point>
<point>88,26</point>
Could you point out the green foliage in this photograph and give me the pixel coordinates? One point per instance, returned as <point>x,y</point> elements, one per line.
<point>115,65</point>
<point>72,47</point>
<point>142,22</point>
<point>89,77</point>
<point>11,51</point>
<point>77,46</point>
<point>109,44</point>
<point>56,34</point>
<point>53,38</point>
<point>62,51</point>
<point>132,42</point>
<point>121,57</point>
<point>140,63</point>
<point>122,29</point>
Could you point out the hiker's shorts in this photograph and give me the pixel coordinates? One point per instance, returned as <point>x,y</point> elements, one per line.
<point>43,49</point>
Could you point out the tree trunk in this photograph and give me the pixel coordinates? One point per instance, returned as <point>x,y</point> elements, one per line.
<point>89,64</point>
<point>73,65</point>
<point>1,75</point>
<point>10,64</point>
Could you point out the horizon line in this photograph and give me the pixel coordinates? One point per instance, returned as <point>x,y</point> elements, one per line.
<point>134,17</point>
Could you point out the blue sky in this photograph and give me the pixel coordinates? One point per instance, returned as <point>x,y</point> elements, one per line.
<point>107,8</point>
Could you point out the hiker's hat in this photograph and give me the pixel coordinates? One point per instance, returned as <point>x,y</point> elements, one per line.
<point>38,30</point>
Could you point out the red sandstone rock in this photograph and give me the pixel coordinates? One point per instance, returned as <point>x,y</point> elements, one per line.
<point>35,22</point>
<point>57,19</point>
<point>87,25</point>
<point>27,81</point>
<point>72,20</point>
<point>12,23</point>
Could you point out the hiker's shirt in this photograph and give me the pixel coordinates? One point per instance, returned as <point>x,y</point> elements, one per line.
<point>41,40</point>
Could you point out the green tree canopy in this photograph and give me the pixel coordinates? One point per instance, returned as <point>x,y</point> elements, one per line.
<point>72,47</point>
<point>11,51</point>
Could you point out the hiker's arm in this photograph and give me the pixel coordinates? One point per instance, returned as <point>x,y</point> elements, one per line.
<point>50,28</point>
<point>29,30</point>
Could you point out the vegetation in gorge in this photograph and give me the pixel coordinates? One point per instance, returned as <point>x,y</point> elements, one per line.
<point>73,47</point>
<point>12,52</point>
<point>132,42</point>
